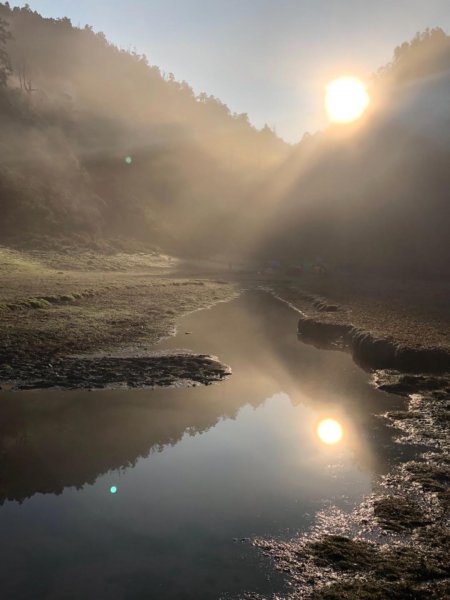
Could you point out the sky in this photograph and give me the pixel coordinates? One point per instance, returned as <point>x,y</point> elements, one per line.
<point>268,58</point>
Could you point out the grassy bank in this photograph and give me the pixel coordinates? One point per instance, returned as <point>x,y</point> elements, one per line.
<point>54,307</point>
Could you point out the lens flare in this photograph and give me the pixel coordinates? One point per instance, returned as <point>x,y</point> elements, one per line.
<point>113,489</point>
<point>329,431</point>
<point>346,99</point>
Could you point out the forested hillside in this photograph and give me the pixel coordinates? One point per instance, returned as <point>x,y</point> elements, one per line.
<point>99,144</point>
<point>99,147</point>
<point>375,195</point>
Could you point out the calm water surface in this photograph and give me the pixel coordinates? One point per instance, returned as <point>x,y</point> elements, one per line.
<point>148,494</point>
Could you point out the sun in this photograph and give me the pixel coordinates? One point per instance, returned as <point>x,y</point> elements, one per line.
<point>329,431</point>
<point>346,99</point>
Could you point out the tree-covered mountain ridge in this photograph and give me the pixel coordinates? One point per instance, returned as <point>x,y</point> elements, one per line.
<point>98,146</point>
<point>97,142</point>
<point>373,195</point>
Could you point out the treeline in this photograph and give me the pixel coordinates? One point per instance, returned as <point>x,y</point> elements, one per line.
<point>98,143</point>
<point>374,196</point>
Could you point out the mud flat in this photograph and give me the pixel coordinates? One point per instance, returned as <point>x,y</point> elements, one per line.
<point>371,351</point>
<point>57,310</point>
<point>396,543</point>
<point>94,373</point>
<point>385,325</point>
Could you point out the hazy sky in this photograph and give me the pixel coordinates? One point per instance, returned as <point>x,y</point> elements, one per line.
<point>269,58</point>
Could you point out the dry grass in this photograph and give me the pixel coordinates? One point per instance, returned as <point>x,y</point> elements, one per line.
<point>47,312</point>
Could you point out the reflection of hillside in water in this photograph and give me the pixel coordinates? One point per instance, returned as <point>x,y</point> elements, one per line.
<point>51,443</point>
<point>53,440</point>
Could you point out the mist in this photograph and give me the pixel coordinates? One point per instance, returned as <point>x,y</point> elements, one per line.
<point>371,196</point>
<point>224,358</point>
<point>98,144</point>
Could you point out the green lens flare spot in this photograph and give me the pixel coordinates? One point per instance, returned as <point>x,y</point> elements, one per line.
<point>113,489</point>
<point>128,160</point>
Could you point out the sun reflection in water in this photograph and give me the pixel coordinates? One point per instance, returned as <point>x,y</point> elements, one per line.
<point>329,431</point>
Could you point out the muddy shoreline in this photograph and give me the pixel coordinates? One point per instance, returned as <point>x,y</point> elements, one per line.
<point>372,352</point>
<point>65,320</point>
<point>395,545</point>
<point>397,542</point>
<point>392,332</point>
<point>110,372</point>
